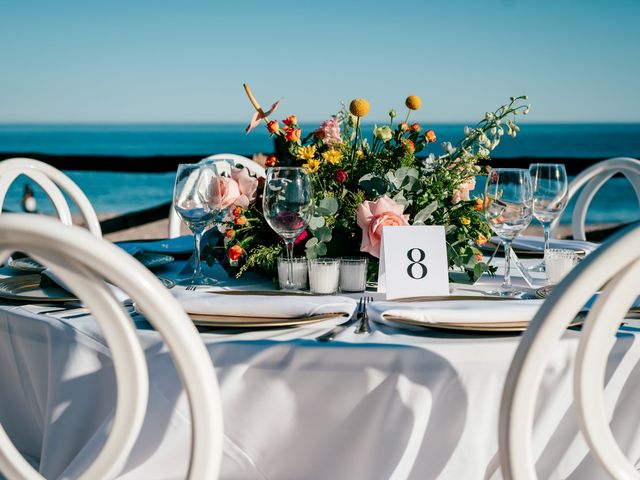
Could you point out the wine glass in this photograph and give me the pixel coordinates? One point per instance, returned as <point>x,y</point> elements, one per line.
<point>550,196</point>
<point>508,208</point>
<point>195,205</point>
<point>287,205</point>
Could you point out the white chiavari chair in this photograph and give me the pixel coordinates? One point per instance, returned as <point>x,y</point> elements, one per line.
<point>85,264</point>
<point>592,179</point>
<point>616,265</point>
<point>53,182</point>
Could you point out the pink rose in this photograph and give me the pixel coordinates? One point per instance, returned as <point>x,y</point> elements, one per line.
<point>224,192</point>
<point>247,185</point>
<point>462,193</point>
<point>373,217</point>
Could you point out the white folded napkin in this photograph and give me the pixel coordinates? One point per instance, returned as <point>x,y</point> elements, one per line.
<point>268,306</point>
<point>456,312</point>
<point>536,244</point>
<point>51,275</point>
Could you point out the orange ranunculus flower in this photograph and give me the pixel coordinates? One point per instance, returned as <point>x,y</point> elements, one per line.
<point>479,257</point>
<point>430,135</point>
<point>241,220</point>
<point>273,126</point>
<point>404,126</point>
<point>235,252</point>
<point>293,134</point>
<point>410,145</point>
<point>481,240</point>
<point>291,120</point>
<point>271,161</point>
<point>416,127</point>
<point>230,233</point>
<point>479,204</point>
<point>236,212</point>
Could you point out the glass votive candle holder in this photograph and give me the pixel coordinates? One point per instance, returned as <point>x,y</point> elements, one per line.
<point>353,274</point>
<point>299,269</point>
<point>558,262</point>
<point>324,275</point>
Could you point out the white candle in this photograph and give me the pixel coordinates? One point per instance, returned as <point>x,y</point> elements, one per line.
<point>558,263</point>
<point>299,268</point>
<point>324,275</point>
<point>353,274</point>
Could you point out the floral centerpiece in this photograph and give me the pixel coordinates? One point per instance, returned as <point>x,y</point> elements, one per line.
<point>363,184</point>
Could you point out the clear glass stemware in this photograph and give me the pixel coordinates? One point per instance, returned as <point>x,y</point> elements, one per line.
<point>192,199</point>
<point>550,196</point>
<point>287,205</point>
<point>508,207</point>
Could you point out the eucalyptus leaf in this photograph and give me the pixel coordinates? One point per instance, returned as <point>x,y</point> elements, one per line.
<point>410,184</point>
<point>311,242</point>
<point>330,204</point>
<point>316,222</point>
<point>423,215</point>
<point>323,234</point>
<point>399,198</point>
<point>373,184</point>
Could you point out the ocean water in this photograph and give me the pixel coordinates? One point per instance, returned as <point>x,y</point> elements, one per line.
<point>122,192</point>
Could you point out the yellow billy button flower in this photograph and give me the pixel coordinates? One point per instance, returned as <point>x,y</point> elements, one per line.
<point>359,107</point>
<point>413,102</point>
<point>306,153</point>
<point>332,156</point>
<point>312,165</point>
<point>465,221</point>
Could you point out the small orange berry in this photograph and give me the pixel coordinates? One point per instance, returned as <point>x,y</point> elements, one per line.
<point>271,161</point>
<point>273,126</point>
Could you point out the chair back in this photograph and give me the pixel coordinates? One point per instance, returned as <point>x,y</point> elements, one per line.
<point>53,182</point>
<point>86,263</point>
<point>615,264</point>
<point>592,179</point>
<point>253,167</point>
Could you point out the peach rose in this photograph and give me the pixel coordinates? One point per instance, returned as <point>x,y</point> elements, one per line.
<point>247,185</point>
<point>224,192</point>
<point>373,217</point>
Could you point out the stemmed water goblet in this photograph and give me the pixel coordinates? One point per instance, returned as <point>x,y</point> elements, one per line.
<point>287,204</point>
<point>508,205</point>
<point>550,196</point>
<point>197,205</point>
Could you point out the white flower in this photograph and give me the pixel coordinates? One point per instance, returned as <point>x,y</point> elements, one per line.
<point>467,131</point>
<point>500,132</point>
<point>383,133</point>
<point>483,152</point>
<point>495,143</point>
<point>493,130</point>
<point>526,110</point>
<point>429,161</point>
<point>448,148</point>
<point>488,116</point>
<point>525,97</point>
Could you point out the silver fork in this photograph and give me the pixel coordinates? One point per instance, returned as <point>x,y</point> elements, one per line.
<point>363,326</point>
<point>331,334</point>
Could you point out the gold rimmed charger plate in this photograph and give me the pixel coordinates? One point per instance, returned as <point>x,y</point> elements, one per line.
<point>28,288</point>
<point>224,321</point>
<point>495,327</point>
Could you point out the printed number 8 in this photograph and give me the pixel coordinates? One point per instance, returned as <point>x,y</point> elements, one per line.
<point>421,267</point>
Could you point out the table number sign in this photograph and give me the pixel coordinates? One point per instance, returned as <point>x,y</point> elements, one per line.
<point>413,262</point>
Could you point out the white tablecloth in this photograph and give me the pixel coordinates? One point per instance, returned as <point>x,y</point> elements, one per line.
<point>390,405</point>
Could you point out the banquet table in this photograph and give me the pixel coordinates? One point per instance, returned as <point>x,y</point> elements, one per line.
<point>394,404</point>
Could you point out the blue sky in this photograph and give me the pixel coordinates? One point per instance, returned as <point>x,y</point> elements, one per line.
<point>171,61</point>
